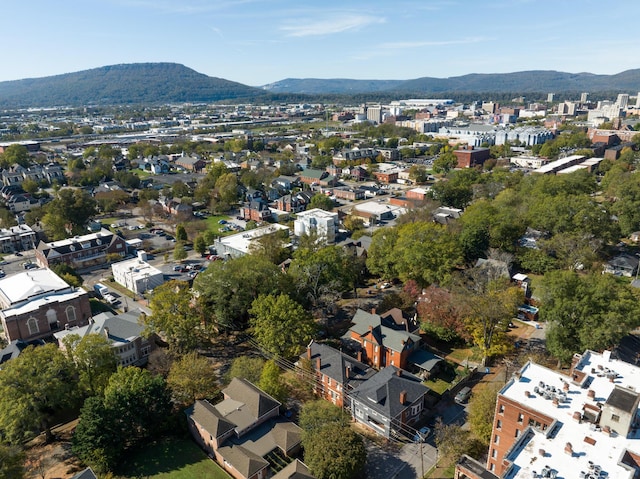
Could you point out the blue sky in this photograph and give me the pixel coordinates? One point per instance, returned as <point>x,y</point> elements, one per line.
<point>256,42</point>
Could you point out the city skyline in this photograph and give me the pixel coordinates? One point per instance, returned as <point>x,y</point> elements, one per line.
<point>257,42</point>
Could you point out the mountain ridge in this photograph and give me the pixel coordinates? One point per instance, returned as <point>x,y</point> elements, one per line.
<point>161,83</point>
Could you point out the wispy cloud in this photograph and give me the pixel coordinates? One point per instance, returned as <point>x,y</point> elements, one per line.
<point>428,43</point>
<point>327,26</point>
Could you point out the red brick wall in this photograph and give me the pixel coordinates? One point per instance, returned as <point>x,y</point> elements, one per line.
<point>505,425</point>
<point>16,327</point>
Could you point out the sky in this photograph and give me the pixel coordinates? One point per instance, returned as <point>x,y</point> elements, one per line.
<point>257,42</point>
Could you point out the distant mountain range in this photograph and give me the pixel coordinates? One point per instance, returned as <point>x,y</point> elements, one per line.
<point>521,82</point>
<point>161,83</point>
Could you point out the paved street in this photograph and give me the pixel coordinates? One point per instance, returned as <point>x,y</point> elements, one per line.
<point>406,464</point>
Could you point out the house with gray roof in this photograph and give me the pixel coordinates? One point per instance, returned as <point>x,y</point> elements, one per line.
<point>390,402</point>
<point>243,430</point>
<point>381,341</point>
<point>123,332</point>
<point>336,372</point>
<point>295,470</point>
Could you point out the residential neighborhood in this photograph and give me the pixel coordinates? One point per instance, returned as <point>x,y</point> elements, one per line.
<point>411,288</point>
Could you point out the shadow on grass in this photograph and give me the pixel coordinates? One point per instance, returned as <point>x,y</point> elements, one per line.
<point>175,458</point>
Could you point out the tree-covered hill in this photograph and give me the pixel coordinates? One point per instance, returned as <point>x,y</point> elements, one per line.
<point>122,84</point>
<point>517,82</point>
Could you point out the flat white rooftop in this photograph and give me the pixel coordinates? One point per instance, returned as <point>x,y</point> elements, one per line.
<point>378,208</point>
<point>591,446</point>
<point>242,241</point>
<point>34,282</point>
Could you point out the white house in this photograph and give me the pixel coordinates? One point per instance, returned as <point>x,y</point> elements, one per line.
<point>323,223</point>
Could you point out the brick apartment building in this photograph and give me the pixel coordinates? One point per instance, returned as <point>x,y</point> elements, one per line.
<point>547,424</point>
<point>471,156</point>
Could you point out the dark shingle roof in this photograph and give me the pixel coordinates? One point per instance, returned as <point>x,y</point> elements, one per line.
<point>86,474</point>
<point>389,337</point>
<point>295,470</point>
<point>206,415</point>
<point>382,391</point>
<point>244,461</point>
<point>258,402</point>
<point>334,364</point>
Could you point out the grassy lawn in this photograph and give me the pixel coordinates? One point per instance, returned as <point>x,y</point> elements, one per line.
<point>212,224</point>
<point>446,379</point>
<point>172,459</point>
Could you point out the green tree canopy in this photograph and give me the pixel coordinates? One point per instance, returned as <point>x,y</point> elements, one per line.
<point>280,325</point>
<point>322,201</point>
<point>33,387</point>
<point>247,367</point>
<point>334,452</point>
<point>94,359</point>
<point>192,377</point>
<point>586,312</point>
<point>174,316</point>
<point>134,408</point>
<point>68,212</point>
<point>482,407</point>
<point>272,383</point>
<point>227,289</point>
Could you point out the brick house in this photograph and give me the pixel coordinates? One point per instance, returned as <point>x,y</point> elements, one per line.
<point>256,211</point>
<point>293,203</point>
<point>312,176</point>
<point>386,177</point>
<point>347,193</point>
<point>37,302</point>
<point>81,251</point>
<point>389,402</point>
<point>191,163</point>
<point>381,341</point>
<point>471,156</point>
<point>336,372</point>
<point>243,429</point>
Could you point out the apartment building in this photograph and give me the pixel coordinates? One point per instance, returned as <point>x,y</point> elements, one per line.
<point>585,424</point>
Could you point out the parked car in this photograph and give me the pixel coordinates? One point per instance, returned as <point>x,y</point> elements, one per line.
<point>463,395</point>
<point>422,434</point>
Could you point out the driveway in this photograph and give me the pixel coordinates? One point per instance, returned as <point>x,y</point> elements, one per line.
<point>408,463</point>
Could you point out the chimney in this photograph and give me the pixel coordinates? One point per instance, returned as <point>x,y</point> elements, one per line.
<point>309,352</point>
<point>318,363</point>
<point>591,394</point>
<point>403,397</point>
<point>399,372</point>
<point>347,372</point>
<point>373,310</point>
<point>568,448</point>
<point>106,333</point>
<point>359,356</point>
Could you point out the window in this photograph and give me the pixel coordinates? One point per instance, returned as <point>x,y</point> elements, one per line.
<point>32,324</point>
<point>71,314</point>
<point>494,453</point>
<point>416,409</point>
<point>520,418</point>
<point>615,418</point>
<point>501,409</point>
<point>517,433</point>
<point>499,424</point>
<point>496,439</point>
<point>492,467</point>
<point>52,316</point>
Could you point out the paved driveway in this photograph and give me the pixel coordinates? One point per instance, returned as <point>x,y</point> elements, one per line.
<point>405,464</point>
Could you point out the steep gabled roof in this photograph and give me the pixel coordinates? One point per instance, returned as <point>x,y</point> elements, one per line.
<point>367,323</point>
<point>211,420</point>
<point>244,461</point>
<point>382,391</point>
<point>334,364</point>
<point>257,401</point>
